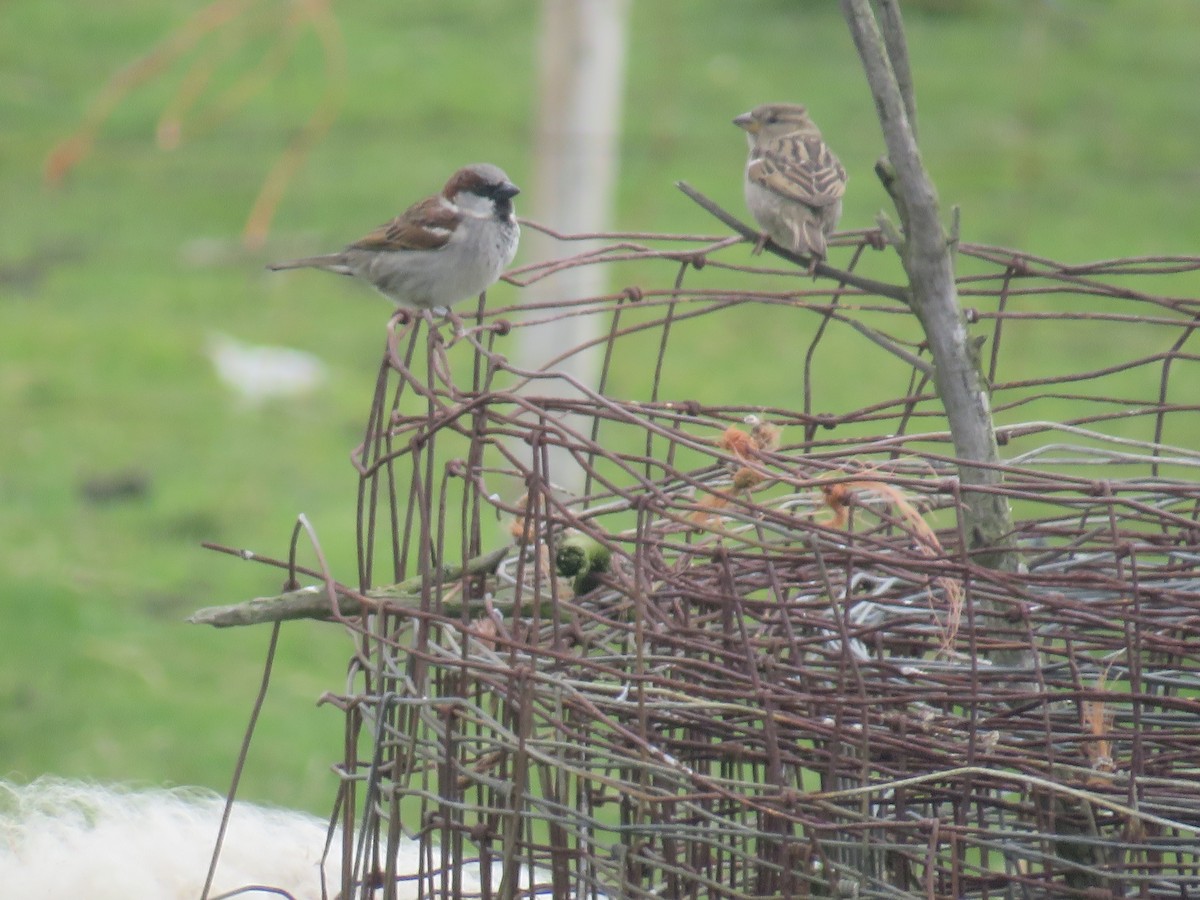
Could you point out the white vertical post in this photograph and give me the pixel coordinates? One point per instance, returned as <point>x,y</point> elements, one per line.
<point>582,75</point>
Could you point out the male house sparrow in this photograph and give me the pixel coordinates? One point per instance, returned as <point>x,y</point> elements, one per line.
<point>794,183</point>
<point>440,250</point>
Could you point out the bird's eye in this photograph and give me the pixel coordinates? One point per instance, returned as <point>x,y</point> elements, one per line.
<point>772,119</point>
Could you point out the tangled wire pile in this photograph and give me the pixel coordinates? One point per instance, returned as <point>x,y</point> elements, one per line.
<point>739,650</point>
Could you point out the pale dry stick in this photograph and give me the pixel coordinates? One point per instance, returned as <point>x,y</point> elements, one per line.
<point>927,253</point>
<point>315,602</point>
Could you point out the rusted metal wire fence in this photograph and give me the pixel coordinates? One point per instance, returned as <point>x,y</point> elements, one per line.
<point>739,651</point>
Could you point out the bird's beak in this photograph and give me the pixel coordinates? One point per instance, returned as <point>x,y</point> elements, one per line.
<point>746,122</point>
<point>507,190</point>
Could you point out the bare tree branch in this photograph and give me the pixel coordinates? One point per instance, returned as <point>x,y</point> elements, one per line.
<point>313,602</point>
<point>897,51</point>
<point>927,255</point>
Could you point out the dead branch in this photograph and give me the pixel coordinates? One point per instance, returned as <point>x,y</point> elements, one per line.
<point>928,257</point>
<point>313,602</point>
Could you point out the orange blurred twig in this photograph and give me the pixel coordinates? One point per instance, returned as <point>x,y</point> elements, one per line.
<point>218,18</point>
<point>67,154</point>
<point>319,14</point>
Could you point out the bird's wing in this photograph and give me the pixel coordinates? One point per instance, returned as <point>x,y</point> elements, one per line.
<point>800,168</point>
<point>426,225</point>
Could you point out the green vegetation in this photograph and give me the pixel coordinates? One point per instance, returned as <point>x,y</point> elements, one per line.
<point>1066,129</point>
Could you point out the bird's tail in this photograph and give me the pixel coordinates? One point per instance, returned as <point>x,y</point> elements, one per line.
<point>812,241</point>
<point>333,262</point>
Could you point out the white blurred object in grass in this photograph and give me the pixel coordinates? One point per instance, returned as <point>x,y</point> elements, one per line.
<point>259,373</point>
<point>66,840</point>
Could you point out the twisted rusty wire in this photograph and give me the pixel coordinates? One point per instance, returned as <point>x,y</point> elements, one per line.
<point>790,679</point>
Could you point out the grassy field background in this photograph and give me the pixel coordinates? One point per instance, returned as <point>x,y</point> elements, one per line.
<point>1068,129</point>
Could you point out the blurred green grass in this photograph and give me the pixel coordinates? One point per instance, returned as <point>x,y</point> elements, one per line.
<point>1063,128</point>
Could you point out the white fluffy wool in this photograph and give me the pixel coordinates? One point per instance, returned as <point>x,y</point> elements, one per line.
<point>65,840</point>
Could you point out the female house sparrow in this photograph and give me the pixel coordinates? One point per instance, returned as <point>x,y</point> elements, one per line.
<point>794,183</point>
<point>440,250</point>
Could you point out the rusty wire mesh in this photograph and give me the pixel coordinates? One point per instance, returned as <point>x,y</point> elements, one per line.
<point>791,680</point>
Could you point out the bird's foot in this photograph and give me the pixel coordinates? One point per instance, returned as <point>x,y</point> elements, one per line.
<point>458,327</point>
<point>760,243</point>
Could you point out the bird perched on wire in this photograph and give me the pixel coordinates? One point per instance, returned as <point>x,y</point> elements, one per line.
<point>440,250</point>
<point>794,184</point>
